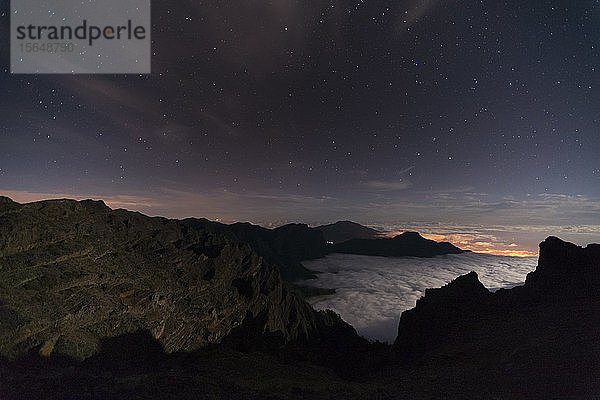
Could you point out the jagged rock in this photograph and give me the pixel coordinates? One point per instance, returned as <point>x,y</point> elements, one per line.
<point>6,204</point>
<point>443,314</point>
<point>565,270</point>
<point>407,244</point>
<point>567,278</point>
<point>75,273</point>
<point>342,231</point>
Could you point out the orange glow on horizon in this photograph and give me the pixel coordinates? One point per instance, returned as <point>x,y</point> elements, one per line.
<point>477,244</point>
<point>481,245</point>
<point>512,253</point>
<point>148,205</point>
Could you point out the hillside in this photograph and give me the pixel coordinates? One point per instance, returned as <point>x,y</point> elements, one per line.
<point>74,273</point>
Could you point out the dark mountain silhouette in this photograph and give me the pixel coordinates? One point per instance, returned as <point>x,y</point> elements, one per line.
<point>284,246</point>
<point>342,231</point>
<point>406,244</point>
<point>565,271</point>
<point>538,338</point>
<point>565,274</point>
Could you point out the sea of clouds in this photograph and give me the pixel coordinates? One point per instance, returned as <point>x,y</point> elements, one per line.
<point>372,292</point>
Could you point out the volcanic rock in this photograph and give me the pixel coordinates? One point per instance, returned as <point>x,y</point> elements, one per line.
<point>442,315</point>
<point>74,273</point>
<point>565,271</point>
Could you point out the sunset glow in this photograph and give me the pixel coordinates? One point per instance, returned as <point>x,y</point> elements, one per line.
<point>478,244</point>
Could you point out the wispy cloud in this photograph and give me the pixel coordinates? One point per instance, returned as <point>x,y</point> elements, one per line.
<point>388,186</point>
<point>472,207</point>
<point>415,11</point>
<point>483,244</point>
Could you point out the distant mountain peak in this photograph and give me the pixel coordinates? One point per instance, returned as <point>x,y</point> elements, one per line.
<point>6,201</point>
<point>347,222</point>
<point>342,231</point>
<point>407,244</point>
<point>409,235</point>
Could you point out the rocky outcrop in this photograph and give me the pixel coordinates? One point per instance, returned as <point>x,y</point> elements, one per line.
<point>565,270</point>
<point>6,204</point>
<point>342,231</point>
<point>566,279</point>
<point>442,315</point>
<point>74,273</point>
<point>409,244</point>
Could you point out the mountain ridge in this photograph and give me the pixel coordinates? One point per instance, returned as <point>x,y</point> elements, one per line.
<point>73,273</point>
<point>157,307</point>
<point>342,231</point>
<point>407,244</point>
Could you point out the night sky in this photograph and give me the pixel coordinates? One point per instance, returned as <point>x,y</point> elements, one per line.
<point>477,121</point>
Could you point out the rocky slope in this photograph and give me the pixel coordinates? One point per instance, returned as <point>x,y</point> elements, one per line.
<point>565,271</point>
<point>444,313</point>
<point>409,244</point>
<point>73,273</point>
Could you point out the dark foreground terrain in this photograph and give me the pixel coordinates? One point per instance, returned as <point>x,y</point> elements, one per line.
<point>105,304</point>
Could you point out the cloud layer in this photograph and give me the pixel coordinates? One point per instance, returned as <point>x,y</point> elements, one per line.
<point>372,292</point>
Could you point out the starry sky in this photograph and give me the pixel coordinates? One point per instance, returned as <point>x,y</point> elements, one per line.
<point>477,121</point>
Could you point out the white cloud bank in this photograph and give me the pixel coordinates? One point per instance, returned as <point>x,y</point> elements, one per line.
<point>372,292</point>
